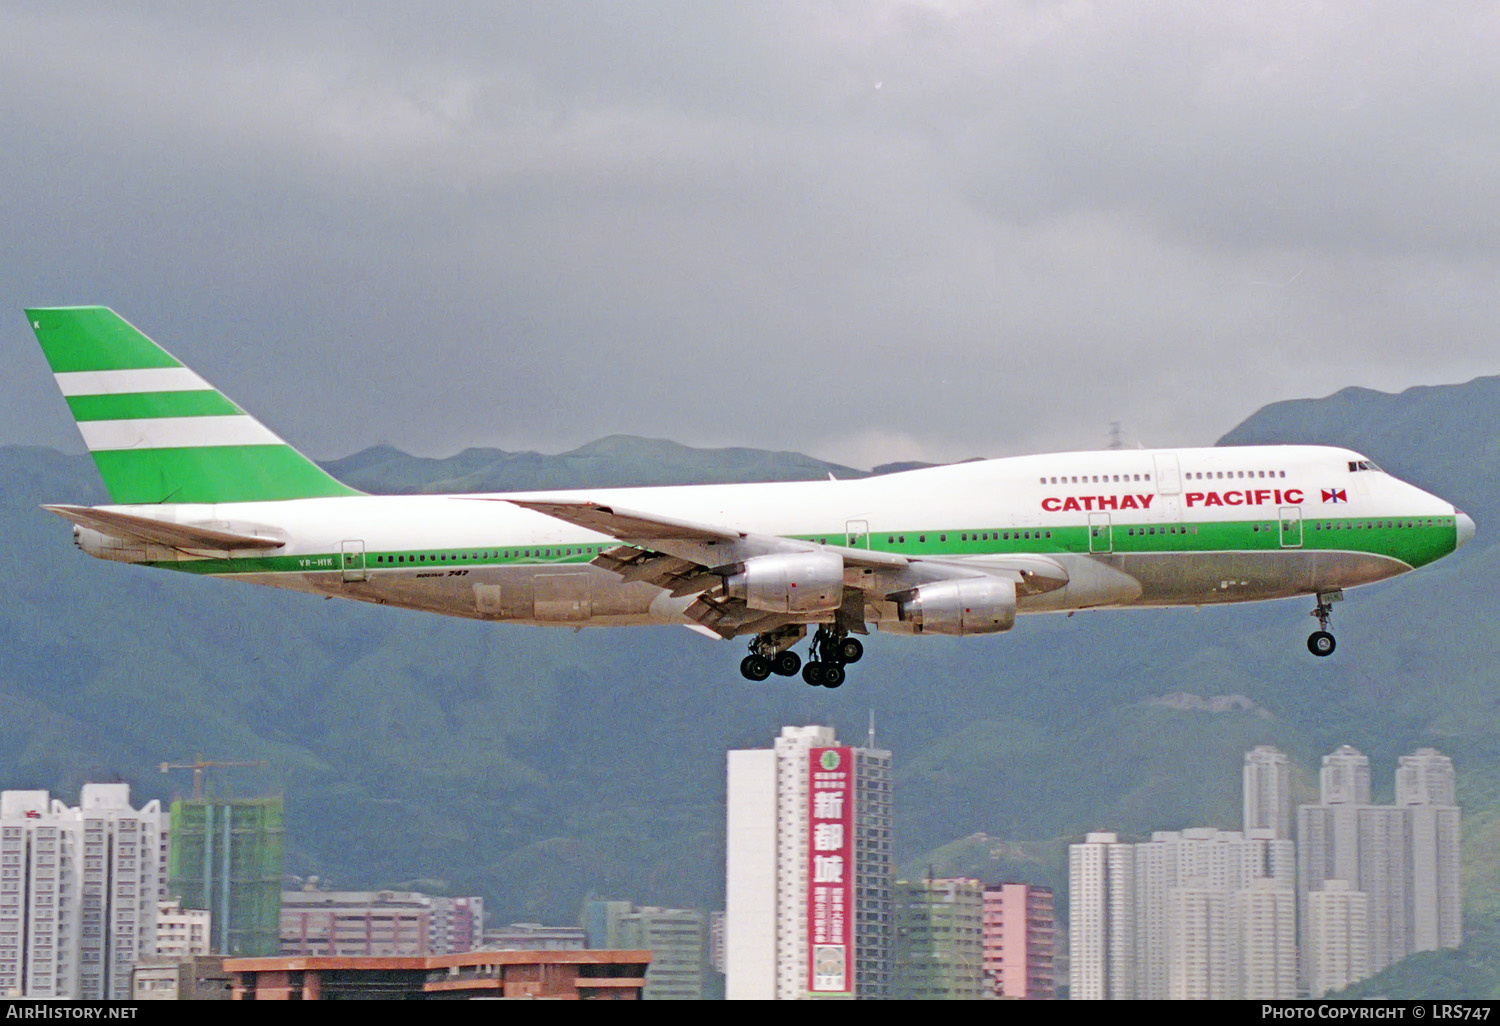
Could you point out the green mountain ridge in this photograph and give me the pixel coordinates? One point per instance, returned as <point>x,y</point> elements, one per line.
<point>536,767</point>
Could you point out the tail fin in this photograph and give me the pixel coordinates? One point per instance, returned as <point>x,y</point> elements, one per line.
<point>158,432</point>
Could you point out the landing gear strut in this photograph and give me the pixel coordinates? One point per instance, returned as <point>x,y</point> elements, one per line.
<point>1320,642</point>
<point>831,652</point>
<point>772,653</point>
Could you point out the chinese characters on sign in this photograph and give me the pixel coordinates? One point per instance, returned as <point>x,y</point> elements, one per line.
<point>830,876</point>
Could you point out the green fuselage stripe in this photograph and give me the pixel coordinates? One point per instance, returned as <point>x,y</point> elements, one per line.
<point>141,405</point>
<point>1426,539</point>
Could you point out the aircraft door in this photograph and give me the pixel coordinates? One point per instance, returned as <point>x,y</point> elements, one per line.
<point>352,561</point>
<point>1291,527</point>
<point>1168,474</point>
<point>857,534</point>
<point>1101,533</point>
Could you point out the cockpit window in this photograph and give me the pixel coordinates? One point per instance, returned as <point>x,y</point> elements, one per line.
<point>1357,465</point>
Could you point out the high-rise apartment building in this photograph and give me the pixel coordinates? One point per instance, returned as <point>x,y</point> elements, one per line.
<point>39,896</point>
<point>938,952</point>
<point>1194,889</point>
<point>808,869</point>
<point>1192,914</point>
<point>1268,792</point>
<point>1402,859</point>
<point>1019,931</point>
<point>78,892</point>
<point>1426,791</point>
<point>1203,958</point>
<point>1336,937</point>
<point>226,857</point>
<point>1102,918</point>
<point>1266,911</point>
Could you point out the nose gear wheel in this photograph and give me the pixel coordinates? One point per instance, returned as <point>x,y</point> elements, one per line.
<point>1320,642</point>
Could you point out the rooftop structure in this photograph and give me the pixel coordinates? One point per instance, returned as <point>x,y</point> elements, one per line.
<point>568,975</point>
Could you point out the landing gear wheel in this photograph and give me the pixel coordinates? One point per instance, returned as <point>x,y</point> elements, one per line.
<point>833,675</point>
<point>1320,643</point>
<point>812,672</point>
<point>755,667</point>
<point>786,663</point>
<point>849,650</point>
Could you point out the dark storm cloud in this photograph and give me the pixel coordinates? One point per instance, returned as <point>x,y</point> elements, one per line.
<point>870,230</point>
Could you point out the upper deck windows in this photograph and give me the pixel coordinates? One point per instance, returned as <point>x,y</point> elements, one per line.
<point>1095,479</point>
<point>1231,475</point>
<point>1358,465</point>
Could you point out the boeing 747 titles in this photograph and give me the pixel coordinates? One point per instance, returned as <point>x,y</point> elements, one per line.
<point>198,485</point>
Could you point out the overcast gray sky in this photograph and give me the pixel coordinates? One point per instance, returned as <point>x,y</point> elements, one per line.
<point>868,230</point>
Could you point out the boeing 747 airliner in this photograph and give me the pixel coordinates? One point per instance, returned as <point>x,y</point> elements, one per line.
<point>198,485</point>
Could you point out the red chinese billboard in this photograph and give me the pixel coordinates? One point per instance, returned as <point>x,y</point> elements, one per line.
<point>830,871</point>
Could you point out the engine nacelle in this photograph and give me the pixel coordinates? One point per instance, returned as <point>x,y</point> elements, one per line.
<point>790,582</point>
<point>972,605</point>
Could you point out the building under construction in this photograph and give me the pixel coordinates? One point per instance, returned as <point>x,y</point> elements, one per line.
<point>225,855</point>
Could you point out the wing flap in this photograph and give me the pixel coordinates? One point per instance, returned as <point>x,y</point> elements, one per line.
<point>160,532</point>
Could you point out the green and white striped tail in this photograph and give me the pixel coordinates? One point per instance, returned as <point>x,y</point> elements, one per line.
<point>157,431</point>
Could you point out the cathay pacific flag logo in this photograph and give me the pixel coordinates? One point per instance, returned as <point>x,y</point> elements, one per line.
<point>1335,495</point>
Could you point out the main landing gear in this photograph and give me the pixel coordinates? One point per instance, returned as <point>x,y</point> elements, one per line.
<point>1320,642</point>
<point>830,652</point>
<point>772,653</point>
<point>833,651</point>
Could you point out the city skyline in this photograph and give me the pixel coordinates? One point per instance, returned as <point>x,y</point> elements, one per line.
<point>1200,913</point>
<point>1206,913</point>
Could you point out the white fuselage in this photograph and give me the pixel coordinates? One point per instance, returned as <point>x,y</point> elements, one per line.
<point>1168,527</point>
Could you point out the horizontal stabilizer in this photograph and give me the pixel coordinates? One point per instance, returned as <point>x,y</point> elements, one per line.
<point>161,532</point>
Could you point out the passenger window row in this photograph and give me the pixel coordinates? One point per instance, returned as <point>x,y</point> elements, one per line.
<point>463,557</point>
<point>1223,475</point>
<point>1349,525</point>
<point>900,539</point>
<point>1097,479</point>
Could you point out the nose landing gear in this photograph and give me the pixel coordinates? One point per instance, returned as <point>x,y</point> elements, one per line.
<point>1320,642</point>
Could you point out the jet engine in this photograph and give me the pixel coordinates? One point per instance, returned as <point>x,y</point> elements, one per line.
<point>107,546</point>
<point>790,582</point>
<point>971,605</point>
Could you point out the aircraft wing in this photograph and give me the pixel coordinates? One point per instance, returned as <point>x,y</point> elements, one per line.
<point>160,532</point>
<point>706,545</point>
<point>689,558</point>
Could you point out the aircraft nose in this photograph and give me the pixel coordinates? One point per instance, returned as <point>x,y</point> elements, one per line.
<point>1465,526</point>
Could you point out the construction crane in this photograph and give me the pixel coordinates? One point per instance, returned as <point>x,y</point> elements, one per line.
<point>199,764</point>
